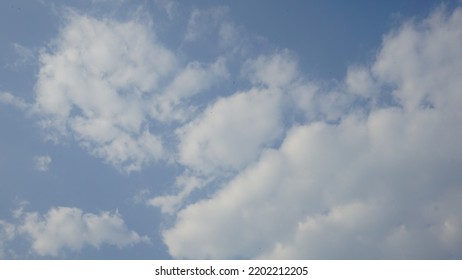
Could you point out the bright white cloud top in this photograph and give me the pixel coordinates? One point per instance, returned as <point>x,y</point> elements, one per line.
<point>281,167</point>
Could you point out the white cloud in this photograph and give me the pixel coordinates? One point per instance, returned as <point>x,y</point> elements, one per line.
<point>94,81</point>
<point>359,81</point>
<point>418,80</point>
<point>65,228</point>
<point>7,233</point>
<point>169,204</point>
<point>105,83</point>
<point>371,170</point>
<point>277,70</point>
<point>42,163</point>
<point>385,184</point>
<point>192,80</point>
<point>231,132</point>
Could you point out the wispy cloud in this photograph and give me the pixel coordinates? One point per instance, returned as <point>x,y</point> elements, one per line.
<point>42,163</point>
<point>24,56</point>
<point>9,99</point>
<point>7,233</point>
<point>202,22</point>
<point>170,7</point>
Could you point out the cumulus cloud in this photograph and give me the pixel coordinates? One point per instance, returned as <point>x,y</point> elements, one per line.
<point>42,163</point>
<point>65,228</point>
<point>377,183</point>
<point>368,167</point>
<point>93,81</point>
<point>230,132</point>
<point>106,82</point>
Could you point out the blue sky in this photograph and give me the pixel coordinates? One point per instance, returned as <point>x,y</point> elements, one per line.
<point>230,129</point>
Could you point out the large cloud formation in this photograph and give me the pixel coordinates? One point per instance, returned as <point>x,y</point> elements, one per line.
<point>376,180</point>
<point>104,82</point>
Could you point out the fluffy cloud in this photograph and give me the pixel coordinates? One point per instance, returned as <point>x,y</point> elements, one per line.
<point>432,62</point>
<point>192,80</point>
<point>273,71</point>
<point>383,183</point>
<point>106,83</point>
<point>70,228</point>
<point>230,133</point>
<point>365,168</point>
<point>359,81</point>
<point>93,81</point>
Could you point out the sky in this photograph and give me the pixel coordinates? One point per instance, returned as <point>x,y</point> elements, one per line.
<point>158,129</point>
